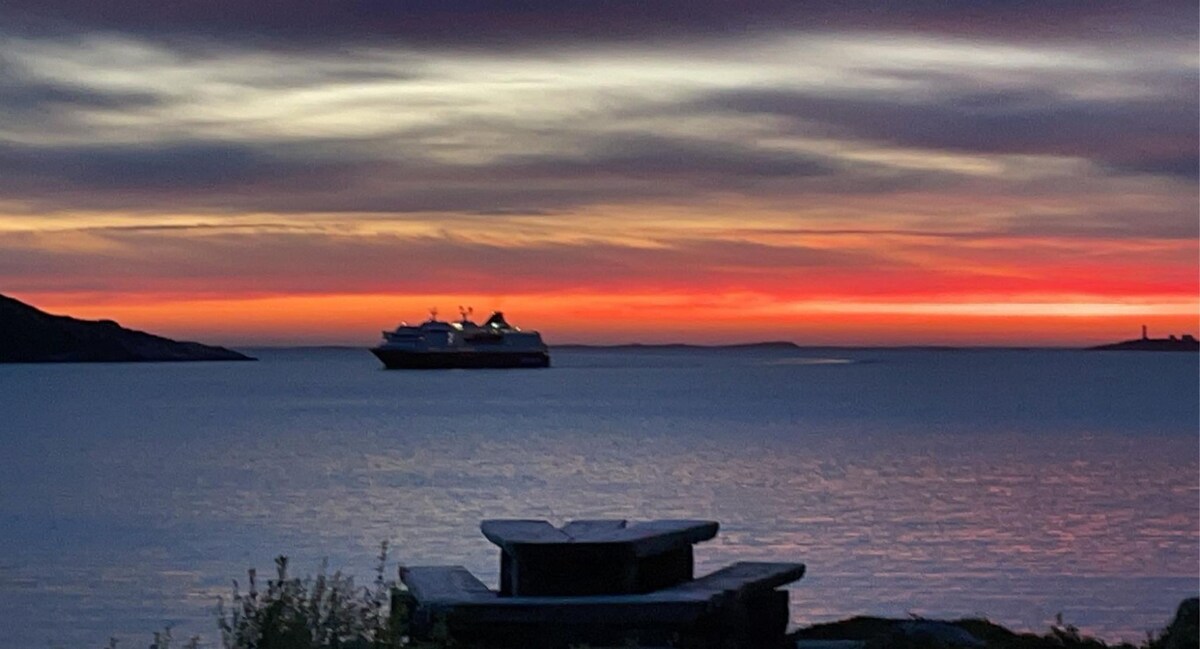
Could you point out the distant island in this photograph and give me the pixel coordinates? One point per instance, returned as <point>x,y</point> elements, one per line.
<point>29,335</point>
<point>1184,343</point>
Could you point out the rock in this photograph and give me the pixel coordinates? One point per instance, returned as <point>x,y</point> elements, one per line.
<point>931,633</point>
<point>1186,343</point>
<point>883,633</point>
<point>29,335</point>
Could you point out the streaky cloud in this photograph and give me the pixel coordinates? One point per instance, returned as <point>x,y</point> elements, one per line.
<point>1158,134</point>
<point>78,175</point>
<point>645,154</point>
<point>534,24</point>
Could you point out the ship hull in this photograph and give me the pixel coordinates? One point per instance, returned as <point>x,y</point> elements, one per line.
<point>394,359</point>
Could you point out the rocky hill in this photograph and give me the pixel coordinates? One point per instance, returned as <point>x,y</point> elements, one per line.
<point>29,335</point>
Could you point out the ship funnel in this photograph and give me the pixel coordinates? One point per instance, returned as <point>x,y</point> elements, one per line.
<point>497,321</point>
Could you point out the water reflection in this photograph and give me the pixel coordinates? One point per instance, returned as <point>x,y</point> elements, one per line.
<point>119,519</point>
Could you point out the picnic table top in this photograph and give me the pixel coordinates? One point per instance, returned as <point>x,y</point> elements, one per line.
<point>644,538</point>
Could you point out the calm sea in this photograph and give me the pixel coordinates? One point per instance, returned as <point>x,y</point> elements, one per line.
<point>1006,483</point>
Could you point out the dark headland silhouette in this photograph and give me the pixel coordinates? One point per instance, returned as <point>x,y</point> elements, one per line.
<point>29,335</point>
<point>1184,343</point>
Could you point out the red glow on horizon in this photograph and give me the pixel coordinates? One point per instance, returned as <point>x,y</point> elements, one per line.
<point>616,318</point>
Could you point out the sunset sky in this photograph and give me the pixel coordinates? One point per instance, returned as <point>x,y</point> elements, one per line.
<point>918,172</point>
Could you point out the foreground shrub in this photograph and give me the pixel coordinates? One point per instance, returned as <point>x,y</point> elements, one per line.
<point>322,612</point>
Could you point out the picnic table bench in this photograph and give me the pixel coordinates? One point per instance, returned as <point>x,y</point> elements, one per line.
<point>631,581</point>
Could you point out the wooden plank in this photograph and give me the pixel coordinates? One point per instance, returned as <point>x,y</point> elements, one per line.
<point>505,533</point>
<point>585,530</point>
<point>743,577</point>
<point>693,530</point>
<point>657,537</point>
<point>444,585</point>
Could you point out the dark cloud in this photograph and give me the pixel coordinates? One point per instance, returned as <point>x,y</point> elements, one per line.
<point>22,96</point>
<point>124,168</point>
<point>570,23</point>
<point>1181,224</point>
<point>350,177</point>
<point>648,155</point>
<point>345,176</point>
<point>500,211</point>
<point>1125,225</point>
<point>41,98</point>
<point>1157,134</point>
<point>171,169</point>
<point>1184,165</point>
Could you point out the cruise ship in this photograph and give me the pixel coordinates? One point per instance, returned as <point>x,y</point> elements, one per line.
<point>435,344</point>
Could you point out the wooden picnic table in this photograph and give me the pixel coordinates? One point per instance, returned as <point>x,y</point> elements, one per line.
<point>594,557</point>
<point>603,582</point>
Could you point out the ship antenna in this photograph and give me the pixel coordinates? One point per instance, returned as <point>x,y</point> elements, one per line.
<point>433,314</point>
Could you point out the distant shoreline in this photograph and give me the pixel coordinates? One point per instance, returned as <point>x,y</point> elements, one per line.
<point>775,345</point>
<point>793,346</point>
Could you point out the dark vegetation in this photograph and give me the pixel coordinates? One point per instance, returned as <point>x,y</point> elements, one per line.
<point>322,612</point>
<point>29,335</point>
<point>332,612</point>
